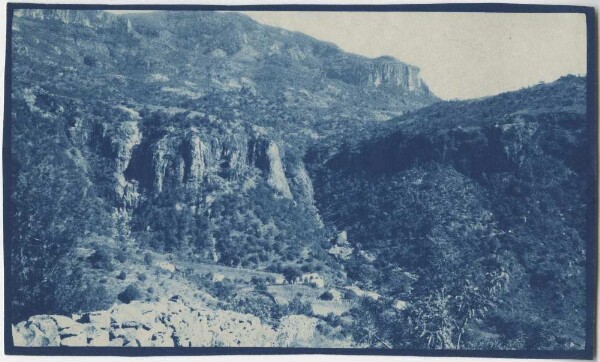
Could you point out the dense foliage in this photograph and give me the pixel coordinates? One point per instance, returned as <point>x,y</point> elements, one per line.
<point>471,213</point>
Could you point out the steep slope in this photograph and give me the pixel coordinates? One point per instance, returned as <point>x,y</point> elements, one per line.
<point>178,132</point>
<point>472,207</point>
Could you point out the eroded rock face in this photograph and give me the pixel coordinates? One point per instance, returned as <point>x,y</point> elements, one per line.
<point>264,154</point>
<point>91,18</point>
<point>382,72</point>
<point>172,323</point>
<point>277,177</point>
<point>197,151</point>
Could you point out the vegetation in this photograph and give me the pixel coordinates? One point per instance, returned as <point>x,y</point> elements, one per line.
<point>130,294</point>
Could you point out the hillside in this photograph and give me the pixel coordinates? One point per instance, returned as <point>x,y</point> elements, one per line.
<point>200,164</point>
<point>492,193</point>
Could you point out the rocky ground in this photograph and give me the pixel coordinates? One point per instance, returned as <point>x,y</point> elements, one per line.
<point>165,323</point>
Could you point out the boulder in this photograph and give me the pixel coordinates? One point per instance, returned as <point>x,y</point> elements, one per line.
<point>99,319</point>
<point>63,322</point>
<point>99,339</point>
<point>74,341</point>
<point>38,331</point>
<point>116,342</point>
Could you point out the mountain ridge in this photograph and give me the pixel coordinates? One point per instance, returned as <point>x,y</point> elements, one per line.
<point>255,169</point>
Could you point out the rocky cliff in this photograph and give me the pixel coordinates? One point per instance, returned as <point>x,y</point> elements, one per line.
<point>382,72</point>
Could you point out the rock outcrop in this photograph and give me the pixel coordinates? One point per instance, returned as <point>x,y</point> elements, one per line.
<point>264,154</point>
<point>172,323</point>
<point>382,72</point>
<point>89,18</point>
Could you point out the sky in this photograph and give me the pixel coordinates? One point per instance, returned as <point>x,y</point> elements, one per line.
<point>461,55</point>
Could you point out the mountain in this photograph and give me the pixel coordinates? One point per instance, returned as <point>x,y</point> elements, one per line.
<point>204,157</point>
<point>492,193</point>
<point>180,132</point>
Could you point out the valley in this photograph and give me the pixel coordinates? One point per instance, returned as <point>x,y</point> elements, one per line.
<point>199,169</point>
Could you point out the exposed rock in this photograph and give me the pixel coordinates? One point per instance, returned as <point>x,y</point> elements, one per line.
<point>99,339</point>
<point>79,340</point>
<point>264,154</point>
<point>197,164</point>
<point>39,331</point>
<point>342,238</point>
<point>303,180</point>
<point>277,175</point>
<point>89,18</point>
<point>100,319</point>
<point>363,293</point>
<point>400,304</point>
<point>382,72</point>
<point>165,265</point>
<point>296,330</point>
<point>165,324</point>
<point>341,252</point>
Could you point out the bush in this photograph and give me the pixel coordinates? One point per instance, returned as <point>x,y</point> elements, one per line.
<point>130,294</point>
<point>326,296</point>
<point>223,290</point>
<point>333,320</point>
<point>291,273</point>
<point>142,277</point>
<point>148,259</point>
<point>296,306</point>
<point>101,260</point>
<point>89,60</point>
<point>260,284</point>
<point>351,295</point>
<point>122,275</point>
<point>77,293</point>
<point>121,256</point>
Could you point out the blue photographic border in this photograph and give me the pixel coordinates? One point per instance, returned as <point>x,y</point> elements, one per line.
<point>591,235</point>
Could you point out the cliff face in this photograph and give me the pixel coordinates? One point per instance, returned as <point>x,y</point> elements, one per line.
<point>88,18</point>
<point>383,72</point>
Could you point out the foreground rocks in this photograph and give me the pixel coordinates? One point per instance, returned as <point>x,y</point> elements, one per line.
<point>172,323</point>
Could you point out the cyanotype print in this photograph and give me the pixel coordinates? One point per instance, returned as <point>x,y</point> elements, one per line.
<point>200,178</point>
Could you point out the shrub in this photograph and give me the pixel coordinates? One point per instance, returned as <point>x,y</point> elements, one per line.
<point>122,275</point>
<point>326,296</point>
<point>142,277</point>
<point>150,290</point>
<point>148,259</point>
<point>333,320</point>
<point>67,297</point>
<point>223,290</point>
<point>296,306</point>
<point>291,273</point>
<point>130,294</point>
<point>350,295</point>
<point>121,256</point>
<point>101,260</point>
<point>260,284</point>
<point>89,60</point>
